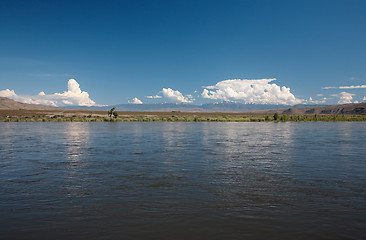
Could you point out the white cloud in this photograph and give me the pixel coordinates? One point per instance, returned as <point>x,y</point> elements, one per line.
<point>258,91</point>
<point>7,93</point>
<point>317,101</point>
<point>136,101</point>
<point>156,96</point>
<point>175,96</point>
<point>66,102</point>
<point>344,97</point>
<point>364,98</point>
<point>320,95</point>
<point>346,87</point>
<point>73,96</point>
<point>26,99</point>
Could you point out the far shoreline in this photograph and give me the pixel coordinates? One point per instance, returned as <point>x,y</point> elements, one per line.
<point>77,115</point>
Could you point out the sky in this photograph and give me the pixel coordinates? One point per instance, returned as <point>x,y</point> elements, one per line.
<point>93,53</point>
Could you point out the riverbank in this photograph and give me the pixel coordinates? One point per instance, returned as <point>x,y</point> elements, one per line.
<point>102,116</point>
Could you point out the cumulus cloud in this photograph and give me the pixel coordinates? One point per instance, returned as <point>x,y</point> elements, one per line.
<point>344,97</point>
<point>156,96</point>
<point>175,96</point>
<point>135,101</point>
<point>346,87</point>
<point>27,99</point>
<point>258,91</point>
<point>317,101</point>
<point>364,98</point>
<point>8,93</point>
<point>73,96</point>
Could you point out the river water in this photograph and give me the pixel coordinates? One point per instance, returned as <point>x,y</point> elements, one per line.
<point>177,180</point>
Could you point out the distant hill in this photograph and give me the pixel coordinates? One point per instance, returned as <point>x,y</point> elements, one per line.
<point>347,109</point>
<point>9,104</point>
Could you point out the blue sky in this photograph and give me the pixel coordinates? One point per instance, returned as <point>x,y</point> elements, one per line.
<point>121,50</point>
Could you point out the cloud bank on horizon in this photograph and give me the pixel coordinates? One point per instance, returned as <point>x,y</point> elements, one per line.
<point>249,91</point>
<point>254,91</point>
<point>74,96</point>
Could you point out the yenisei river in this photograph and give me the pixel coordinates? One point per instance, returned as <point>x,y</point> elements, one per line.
<point>176,180</point>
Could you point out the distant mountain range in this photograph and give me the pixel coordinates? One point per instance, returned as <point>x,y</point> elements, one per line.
<point>210,107</point>
<point>352,108</point>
